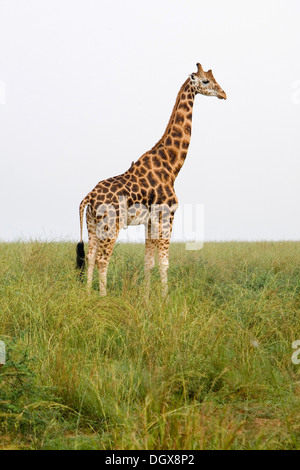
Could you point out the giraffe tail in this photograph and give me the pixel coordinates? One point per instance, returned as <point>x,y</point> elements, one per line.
<point>80,258</point>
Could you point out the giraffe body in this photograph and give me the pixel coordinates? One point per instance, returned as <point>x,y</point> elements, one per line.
<point>145,193</point>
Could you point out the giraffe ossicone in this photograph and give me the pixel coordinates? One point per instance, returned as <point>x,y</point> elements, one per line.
<point>145,193</point>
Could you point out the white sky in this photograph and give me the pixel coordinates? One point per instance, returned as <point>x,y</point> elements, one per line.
<point>90,86</point>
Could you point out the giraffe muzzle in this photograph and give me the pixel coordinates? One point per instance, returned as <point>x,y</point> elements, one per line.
<point>222,95</point>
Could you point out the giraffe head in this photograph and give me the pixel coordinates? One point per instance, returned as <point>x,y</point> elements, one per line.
<point>205,83</point>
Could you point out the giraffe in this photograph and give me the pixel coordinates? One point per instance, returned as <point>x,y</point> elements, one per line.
<point>129,198</point>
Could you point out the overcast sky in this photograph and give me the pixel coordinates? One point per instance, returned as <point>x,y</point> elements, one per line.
<point>87,86</point>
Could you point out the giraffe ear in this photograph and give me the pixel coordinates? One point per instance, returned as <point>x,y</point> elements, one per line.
<point>192,77</point>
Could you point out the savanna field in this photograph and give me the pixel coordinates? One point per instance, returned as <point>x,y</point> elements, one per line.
<point>208,368</point>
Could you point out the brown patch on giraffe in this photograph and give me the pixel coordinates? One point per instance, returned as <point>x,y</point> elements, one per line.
<point>177,132</point>
<point>177,169</point>
<point>147,162</point>
<point>137,173</point>
<point>151,197</point>
<point>123,192</point>
<point>172,155</point>
<point>143,192</point>
<point>152,180</point>
<point>100,195</point>
<point>184,106</point>
<point>162,153</point>
<point>164,175</point>
<point>187,129</point>
<point>177,143</point>
<point>144,182</point>
<point>173,203</point>
<point>169,191</point>
<point>169,141</point>
<point>160,194</point>
<point>179,118</point>
<point>183,155</point>
<point>167,166</point>
<point>157,162</point>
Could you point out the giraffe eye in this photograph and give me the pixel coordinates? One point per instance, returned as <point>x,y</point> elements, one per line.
<point>205,82</point>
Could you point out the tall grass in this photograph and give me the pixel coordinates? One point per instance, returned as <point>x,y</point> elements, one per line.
<point>208,368</point>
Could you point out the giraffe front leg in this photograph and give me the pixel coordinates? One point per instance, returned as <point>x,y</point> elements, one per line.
<point>150,245</point>
<point>163,243</point>
<point>163,263</point>
<point>149,262</point>
<point>102,270</point>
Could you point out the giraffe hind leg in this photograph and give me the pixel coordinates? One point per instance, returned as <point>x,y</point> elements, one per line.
<point>93,248</point>
<point>163,244</point>
<point>105,250</point>
<point>92,255</point>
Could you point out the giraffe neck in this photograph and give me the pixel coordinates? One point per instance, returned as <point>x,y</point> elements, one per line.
<point>174,144</point>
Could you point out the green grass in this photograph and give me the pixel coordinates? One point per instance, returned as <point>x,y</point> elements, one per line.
<point>209,368</point>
